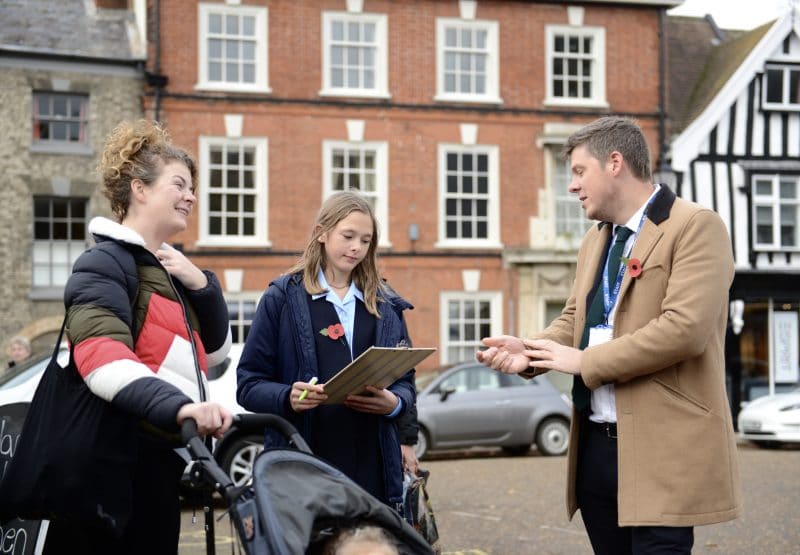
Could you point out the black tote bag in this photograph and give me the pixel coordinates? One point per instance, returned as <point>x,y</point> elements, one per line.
<point>75,457</point>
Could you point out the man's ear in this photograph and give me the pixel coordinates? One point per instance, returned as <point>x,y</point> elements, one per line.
<point>615,163</point>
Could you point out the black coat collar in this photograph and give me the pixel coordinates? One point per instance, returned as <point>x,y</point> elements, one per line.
<point>659,210</point>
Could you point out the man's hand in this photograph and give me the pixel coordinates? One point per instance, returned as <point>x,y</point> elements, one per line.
<point>549,355</point>
<point>506,353</point>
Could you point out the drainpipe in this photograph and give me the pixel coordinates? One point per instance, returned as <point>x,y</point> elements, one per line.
<point>154,78</point>
<point>663,166</point>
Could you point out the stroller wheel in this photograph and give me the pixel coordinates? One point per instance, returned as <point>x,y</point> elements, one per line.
<point>237,460</point>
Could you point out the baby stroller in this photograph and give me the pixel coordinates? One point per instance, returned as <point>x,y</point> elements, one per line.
<point>296,501</point>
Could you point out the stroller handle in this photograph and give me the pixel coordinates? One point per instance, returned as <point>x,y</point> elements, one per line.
<point>259,422</point>
<point>255,422</point>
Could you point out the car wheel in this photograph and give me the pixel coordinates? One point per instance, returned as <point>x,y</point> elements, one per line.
<point>237,460</point>
<point>516,450</point>
<point>421,448</point>
<point>552,437</point>
<point>769,444</point>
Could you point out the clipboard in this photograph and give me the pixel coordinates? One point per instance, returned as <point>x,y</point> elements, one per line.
<point>378,366</point>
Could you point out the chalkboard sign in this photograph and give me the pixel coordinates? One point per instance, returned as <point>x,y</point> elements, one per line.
<point>17,537</point>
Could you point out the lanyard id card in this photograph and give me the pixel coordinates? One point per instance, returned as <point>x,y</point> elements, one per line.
<point>600,334</point>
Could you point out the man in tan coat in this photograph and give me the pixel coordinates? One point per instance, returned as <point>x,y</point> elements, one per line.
<point>652,449</point>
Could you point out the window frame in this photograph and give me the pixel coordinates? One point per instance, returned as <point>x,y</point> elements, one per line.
<point>598,34</point>
<point>784,105</point>
<point>495,300</point>
<point>261,212</point>
<point>552,163</point>
<point>774,202</point>
<point>240,323</point>
<point>74,247</point>
<point>492,240</point>
<point>380,61</point>
<point>81,146</point>
<point>261,35</point>
<point>381,195</point>
<point>492,69</point>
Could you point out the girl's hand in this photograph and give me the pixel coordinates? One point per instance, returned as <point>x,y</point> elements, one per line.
<point>380,401</point>
<point>181,268</point>
<point>314,397</point>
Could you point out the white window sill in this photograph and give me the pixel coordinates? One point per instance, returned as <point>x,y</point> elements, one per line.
<point>232,87</point>
<point>41,293</point>
<point>773,107</point>
<point>355,93</point>
<point>477,99</point>
<point>232,242</point>
<point>575,103</point>
<point>466,244</point>
<point>61,147</point>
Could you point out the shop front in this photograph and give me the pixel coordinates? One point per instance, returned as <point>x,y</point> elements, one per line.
<point>763,339</point>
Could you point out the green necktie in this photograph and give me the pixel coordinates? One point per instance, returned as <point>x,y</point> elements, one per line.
<point>596,313</point>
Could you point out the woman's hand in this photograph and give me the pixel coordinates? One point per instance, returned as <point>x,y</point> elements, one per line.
<point>379,401</point>
<point>314,397</point>
<point>181,268</point>
<point>211,418</point>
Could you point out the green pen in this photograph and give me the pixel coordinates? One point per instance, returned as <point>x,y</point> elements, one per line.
<point>303,395</point>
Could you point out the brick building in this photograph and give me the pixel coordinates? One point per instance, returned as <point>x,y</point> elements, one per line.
<point>69,71</point>
<point>448,114</point>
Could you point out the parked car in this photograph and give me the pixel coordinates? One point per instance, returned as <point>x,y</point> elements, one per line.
<point>772,420</point>
<point>235,452</point>
<point>470,405</point>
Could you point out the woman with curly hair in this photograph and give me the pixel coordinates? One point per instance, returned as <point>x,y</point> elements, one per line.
<point>146,354</point>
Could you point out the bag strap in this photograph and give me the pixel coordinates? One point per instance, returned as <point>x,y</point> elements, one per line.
<point>57,346</point>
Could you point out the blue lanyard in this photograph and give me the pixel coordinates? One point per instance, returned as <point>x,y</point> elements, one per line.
<point>610,298</point>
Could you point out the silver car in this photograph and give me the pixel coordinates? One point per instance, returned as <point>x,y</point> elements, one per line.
<point>470,405</point>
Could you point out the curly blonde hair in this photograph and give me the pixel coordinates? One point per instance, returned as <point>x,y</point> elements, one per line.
<point>137,150</point>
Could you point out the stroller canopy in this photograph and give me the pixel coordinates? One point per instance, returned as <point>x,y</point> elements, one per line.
<point>297,494</point>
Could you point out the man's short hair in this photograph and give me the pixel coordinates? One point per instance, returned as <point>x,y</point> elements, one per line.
<point>612,133</point>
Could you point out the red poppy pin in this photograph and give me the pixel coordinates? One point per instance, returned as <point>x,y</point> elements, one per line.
<point>634,266</point>
<point>334,331</point>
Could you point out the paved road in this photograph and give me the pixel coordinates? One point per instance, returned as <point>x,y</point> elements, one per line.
<point>486,503</point>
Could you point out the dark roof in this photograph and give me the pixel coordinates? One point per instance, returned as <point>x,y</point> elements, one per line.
<point>65,27</point>
<point>700,60</point>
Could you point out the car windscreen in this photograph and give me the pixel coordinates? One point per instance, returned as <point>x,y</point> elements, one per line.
<point>20,373</point>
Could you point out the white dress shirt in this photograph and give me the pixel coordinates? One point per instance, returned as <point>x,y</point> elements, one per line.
<point>603,402</point>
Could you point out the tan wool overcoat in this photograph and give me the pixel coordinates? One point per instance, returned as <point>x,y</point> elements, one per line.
<point>676,445</point>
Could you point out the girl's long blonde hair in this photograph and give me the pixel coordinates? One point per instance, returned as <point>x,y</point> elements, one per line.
<point>336,208</point>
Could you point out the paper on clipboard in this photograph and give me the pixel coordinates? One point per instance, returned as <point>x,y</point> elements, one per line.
<point>378,366</point>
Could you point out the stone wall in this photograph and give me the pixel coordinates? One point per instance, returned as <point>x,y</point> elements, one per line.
<point>114,95</point>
